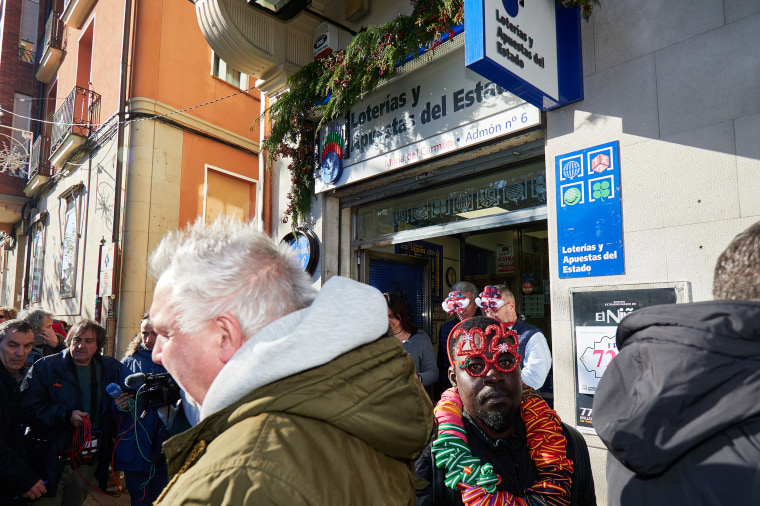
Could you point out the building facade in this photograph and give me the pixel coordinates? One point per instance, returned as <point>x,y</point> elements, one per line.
<point>141,129</point>
<point>481,190</point>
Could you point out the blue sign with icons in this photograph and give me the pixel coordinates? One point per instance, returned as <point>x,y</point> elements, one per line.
<point>589,220</point>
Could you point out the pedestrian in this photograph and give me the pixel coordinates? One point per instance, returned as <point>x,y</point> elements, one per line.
<point>140,434</point>
<point>498,441</point>
<point>304,400</point>
<point>678,406</point>
<point>17,478</point>
<point>498,301</point>
<point>460,304</point>
<point>415,341</point>
<point>66,406</point>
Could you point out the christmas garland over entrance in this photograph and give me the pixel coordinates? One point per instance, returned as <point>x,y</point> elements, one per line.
<point>344,77</point>
<point>477,481</point>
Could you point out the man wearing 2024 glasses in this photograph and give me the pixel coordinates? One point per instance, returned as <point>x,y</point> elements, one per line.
<point>487,423</point>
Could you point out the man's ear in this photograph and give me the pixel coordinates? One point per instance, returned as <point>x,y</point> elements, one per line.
<point>452,377</point>
<point>230,335</point>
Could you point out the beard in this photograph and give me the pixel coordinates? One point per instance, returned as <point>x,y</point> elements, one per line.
<point>496,419</point>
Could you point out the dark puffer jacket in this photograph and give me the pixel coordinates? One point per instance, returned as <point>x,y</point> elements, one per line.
<point>50,392</point>
<point>678,407</point>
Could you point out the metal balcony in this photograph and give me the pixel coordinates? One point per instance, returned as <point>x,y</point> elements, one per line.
<point>39,159</point>
<point>52,47</point>
<point>73,122</point>
<point>39,165</point>
<point>25,55</point>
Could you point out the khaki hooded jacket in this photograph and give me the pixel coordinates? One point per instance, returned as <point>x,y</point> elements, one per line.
<point>342,433</point>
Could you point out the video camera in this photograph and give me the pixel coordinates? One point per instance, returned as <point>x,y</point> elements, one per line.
<point>153,390</point>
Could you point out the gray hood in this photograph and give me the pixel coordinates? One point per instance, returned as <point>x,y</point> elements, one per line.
<point>302,340</point>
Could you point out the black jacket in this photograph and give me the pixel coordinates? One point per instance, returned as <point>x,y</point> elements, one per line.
<point>50,392</point>
<point>16,476</point>
<point>679,406</point>
<point>511,460</point>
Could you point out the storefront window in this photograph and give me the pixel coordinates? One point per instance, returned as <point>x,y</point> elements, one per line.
<point>496,193</point>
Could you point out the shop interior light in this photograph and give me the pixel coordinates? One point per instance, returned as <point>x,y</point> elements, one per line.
<point>490,211</point>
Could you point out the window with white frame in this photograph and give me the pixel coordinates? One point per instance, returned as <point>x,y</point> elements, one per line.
<point>30,12</point>
<point>37,234</point>
<point>70,246</point>
<point>223,71</point>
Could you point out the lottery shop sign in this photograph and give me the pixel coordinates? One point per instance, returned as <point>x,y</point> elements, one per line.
<point>589,222</point>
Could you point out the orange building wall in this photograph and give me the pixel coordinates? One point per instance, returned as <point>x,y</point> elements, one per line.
<point>172,64</point>
<point>105,70</point>
<point>196,153</point>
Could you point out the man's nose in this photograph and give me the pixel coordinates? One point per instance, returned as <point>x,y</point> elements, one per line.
<point>157,349</point>
<point>493,375</point>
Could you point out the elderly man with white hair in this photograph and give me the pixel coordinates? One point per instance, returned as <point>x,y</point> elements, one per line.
<point>302,400</point>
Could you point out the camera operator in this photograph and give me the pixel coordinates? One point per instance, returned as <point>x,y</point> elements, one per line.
<point>64,402</point>
<point>143,429</point>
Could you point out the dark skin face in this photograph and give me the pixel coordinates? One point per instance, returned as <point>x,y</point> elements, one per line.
<point>492,400</point>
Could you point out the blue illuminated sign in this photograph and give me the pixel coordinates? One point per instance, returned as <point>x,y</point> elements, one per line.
<point>589,223</point>
<point>531,48</point>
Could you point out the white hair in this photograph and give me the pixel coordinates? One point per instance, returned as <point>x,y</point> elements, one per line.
<point>229,267</point>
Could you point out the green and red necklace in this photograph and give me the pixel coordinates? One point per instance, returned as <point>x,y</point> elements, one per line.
<point>478,482</point>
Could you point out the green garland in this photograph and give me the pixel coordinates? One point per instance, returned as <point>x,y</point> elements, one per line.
<point>347,75</point>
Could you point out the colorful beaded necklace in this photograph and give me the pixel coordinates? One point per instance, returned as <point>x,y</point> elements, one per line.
<point>477,482</point>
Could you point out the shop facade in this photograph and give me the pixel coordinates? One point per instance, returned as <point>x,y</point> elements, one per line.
<point>687,182</point>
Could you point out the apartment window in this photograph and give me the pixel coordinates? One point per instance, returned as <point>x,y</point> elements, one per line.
<point>223,71</point>
<point>30,12</point>
<point>229,194</point>
<point>38,257</point>
<point>70,245</point>
<point>20,145</point>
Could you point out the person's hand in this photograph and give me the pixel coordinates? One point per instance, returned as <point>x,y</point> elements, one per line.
<point>38,490</point>
<point>77,417</point>
<point>49,336</point>
<point>122,401</point>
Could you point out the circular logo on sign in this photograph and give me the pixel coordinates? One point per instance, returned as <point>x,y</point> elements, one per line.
<point>330,168</point>
<point>527,287</point>
<point>510,6</point>
<point>572,196</point>
<point>571,169</point>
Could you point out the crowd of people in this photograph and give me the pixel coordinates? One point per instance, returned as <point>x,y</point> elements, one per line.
<point>295,396</point>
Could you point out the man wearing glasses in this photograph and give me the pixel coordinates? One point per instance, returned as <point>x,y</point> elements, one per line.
<point>498,442</point>
<point>498,301</point>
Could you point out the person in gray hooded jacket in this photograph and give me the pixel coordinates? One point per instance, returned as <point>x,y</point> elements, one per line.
<point>678,407</point>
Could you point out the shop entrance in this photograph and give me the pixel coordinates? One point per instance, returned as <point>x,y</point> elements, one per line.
<point>425,270</point>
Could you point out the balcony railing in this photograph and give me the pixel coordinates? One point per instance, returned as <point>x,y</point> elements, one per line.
<point>77,115</point>
<point>39,159</point>
<point>25,55</point>
<point>53,33</point>
<point>51,46</point>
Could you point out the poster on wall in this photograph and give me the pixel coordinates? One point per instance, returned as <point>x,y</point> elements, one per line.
<point>596,313</point>
<point>505,259</point>
<point>589,220</point>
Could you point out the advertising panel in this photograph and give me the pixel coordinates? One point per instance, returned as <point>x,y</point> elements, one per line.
<point>589,222</point>
<point>596,313</point>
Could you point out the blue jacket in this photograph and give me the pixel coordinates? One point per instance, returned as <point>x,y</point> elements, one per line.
<point>49,393</point>
<point>139,440</point>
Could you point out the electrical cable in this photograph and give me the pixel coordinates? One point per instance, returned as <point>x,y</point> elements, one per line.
<point>127,121</point>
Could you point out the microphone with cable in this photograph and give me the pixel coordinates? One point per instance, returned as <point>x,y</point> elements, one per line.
<point>113,390</point>
<point>135,381</point>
